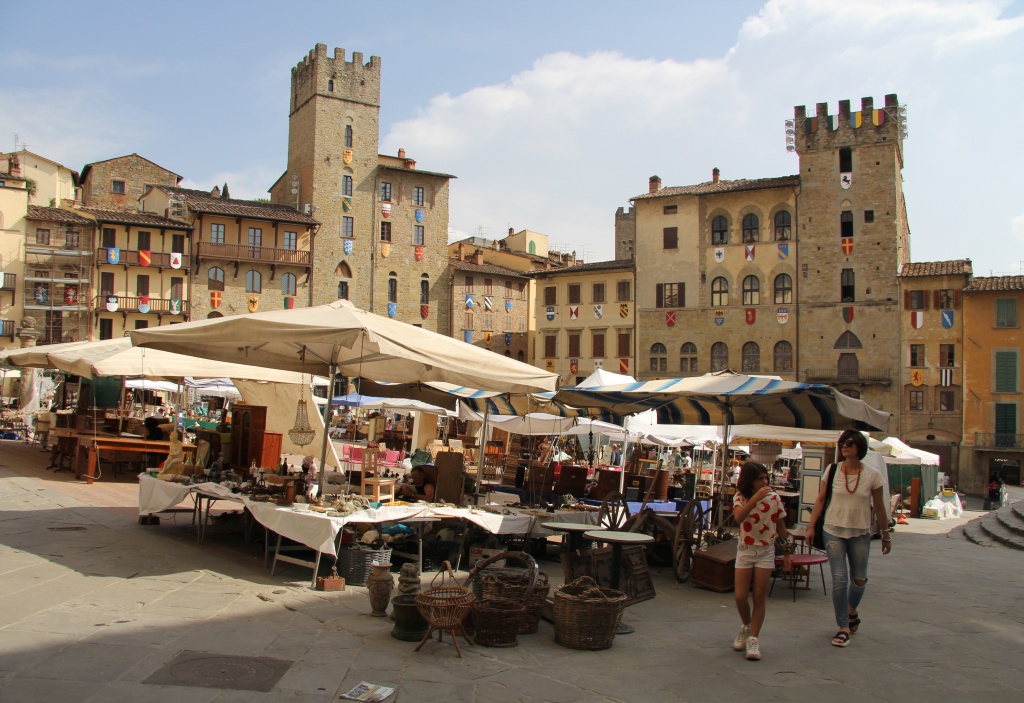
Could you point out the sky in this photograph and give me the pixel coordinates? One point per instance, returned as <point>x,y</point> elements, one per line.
<point>551,114</point>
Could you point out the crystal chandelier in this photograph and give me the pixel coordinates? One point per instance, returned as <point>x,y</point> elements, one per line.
<point>303,433</point>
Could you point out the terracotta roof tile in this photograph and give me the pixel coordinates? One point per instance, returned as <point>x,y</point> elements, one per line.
<point>485,268</point>
<point>956,267</point>
<point>995,283</point>
<point>202,201</point>
<point>130,217</point>
<point>710,187</point>
<point>583,268</point>
<point>54,214</point>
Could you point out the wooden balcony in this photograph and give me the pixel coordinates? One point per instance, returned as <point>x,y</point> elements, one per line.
<point>127,303</point>
<point>998,440</point>
<point>158,260</point>
<point>246,253</point>
<point>861,377</point>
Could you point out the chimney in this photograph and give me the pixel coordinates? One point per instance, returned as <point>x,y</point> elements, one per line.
<point>654,184</point>
<point>14,165</point>
<point>511,231</point>
<point>401,153</point>
<point>714,174</point>
<point>215,193</point>
<point>478,257</point>
<point>462,251</point>
<point>410,164</point>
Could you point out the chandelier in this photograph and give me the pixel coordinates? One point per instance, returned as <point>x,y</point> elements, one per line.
<point>303,433</point>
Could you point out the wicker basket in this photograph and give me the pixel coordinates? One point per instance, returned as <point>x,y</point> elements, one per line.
<point>355,564</point>
<point>586,615</point>
<point>447,605</point>
<point>497,621</point>
<point>514,586</point>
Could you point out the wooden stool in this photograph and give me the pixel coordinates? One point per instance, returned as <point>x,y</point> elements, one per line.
<point>379,489</point>
<point>801,573</point>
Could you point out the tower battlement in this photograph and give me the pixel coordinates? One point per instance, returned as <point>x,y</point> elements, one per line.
<point>333,76</point>
<point>869,125</point>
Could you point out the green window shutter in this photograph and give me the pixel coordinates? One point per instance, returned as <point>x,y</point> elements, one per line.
<point>1006,418</point>
<point>1006,372</point>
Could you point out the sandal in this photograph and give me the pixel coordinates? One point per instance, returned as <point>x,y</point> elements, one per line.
<point>854,622</point>
<point>841,639</point>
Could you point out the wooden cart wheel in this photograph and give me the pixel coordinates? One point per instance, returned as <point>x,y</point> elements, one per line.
<point>614,512</point>
<point>689,533</point>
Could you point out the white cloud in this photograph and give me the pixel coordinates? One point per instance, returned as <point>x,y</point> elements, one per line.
<point>558,147</point>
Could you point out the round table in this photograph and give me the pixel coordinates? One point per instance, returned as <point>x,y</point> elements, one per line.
<point>571,533</point>
<point>618,540</point>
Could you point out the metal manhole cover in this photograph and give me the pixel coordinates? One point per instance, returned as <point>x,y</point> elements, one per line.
<point>221,671</point>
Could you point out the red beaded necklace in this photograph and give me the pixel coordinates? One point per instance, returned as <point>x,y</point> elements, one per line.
<point>846,480</point>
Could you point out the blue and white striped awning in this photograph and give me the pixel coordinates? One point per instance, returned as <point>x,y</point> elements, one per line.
<point>727,398</point>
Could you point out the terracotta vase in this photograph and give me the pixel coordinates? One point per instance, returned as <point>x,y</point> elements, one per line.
<point>379,584</point>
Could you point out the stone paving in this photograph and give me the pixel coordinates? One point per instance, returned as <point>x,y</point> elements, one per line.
<point>92,604</point>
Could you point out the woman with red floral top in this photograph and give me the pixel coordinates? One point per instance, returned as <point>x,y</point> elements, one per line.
<point>761,517</point>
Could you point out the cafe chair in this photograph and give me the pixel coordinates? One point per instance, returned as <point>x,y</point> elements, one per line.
<point>800,571</point>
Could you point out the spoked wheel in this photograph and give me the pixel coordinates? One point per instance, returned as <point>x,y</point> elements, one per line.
<point>689,534</point>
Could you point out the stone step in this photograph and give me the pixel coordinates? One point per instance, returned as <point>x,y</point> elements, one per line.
<point>1018,508</point>
<point>1010,519</point>
<point>973,532</point>
<point>991,525</point>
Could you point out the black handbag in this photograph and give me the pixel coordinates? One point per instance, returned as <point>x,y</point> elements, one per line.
<point>819,524</point>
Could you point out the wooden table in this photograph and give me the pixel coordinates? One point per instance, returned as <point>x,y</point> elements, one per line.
<point>572,540</point>
<point>96,443</point>
<point>618,540</point>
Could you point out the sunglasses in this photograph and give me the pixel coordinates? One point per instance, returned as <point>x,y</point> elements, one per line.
<point>848,443</point>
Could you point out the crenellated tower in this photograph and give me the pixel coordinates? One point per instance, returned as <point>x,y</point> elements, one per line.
<point>853,237</point>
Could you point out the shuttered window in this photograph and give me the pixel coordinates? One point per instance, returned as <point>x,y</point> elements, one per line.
<point>1006,312</point>
<point>1006,418</point>
<point>1006,372</point>
<point>549,346</point>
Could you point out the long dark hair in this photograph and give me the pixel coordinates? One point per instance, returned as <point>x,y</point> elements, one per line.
<point>750,472</point>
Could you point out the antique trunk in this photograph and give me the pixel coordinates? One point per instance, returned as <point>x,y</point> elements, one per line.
<point>714,568</point>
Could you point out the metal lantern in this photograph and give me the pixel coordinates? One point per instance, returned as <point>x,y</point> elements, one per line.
<point>303,433</point>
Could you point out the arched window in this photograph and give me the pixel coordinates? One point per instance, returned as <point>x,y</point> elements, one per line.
<point>848,340</point>
<point>783,226</point>
<point>216,279</point>
<point>424,289</point>
<point>343,270</point>
<point>659,358</point>
<point>751,357</point>
<point>342,290</point>
<point>520,356</point>
<point>688,358</point>
<point>531,248</point>
<point>783,356</point>
<point>392,287</point>
<point>719,292</point>
<point>751,291</point>
<point>783,289</point>
<point>348,135</point>
<point>288,284</point>
<point>253,282</point>
<point>214,314</point>
<point>751,228</point>
<point>719,230</point>
<point>719,356</point>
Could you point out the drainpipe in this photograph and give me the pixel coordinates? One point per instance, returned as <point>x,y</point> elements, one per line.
<point>796,283</point>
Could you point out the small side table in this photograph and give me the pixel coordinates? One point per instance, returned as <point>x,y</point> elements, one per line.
<point>618,540</point>
<point>572,540</point>
<point>379,489</point>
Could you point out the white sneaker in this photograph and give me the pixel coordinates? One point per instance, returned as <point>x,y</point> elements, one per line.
<point>753,649</point>
<point>740,643</point>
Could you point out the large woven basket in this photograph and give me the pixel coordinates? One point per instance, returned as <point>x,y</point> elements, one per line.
<point>587,615</point>
<point>355,564</point>
<point>447,605</point>
<point>496,621</point>
<point>515,585</point>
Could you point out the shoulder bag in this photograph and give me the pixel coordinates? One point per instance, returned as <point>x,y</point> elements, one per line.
<point>819,524</point>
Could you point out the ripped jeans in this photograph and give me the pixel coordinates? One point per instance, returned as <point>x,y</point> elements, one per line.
<point>848,562</point>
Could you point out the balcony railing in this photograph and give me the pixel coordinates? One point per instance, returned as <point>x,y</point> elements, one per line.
<point>862,377</point>
<point>127,303</point>
<point>8,281</point>
<point>8,329</point>
<point>244,252</point>
<point>70,242</point>
<point>130,257</point>
<point>998,440</point>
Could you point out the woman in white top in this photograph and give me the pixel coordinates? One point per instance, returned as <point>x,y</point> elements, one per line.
<point>847,534</point>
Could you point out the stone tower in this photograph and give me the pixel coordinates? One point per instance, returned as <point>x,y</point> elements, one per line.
<point>853,237</point>
<point>383,237</point>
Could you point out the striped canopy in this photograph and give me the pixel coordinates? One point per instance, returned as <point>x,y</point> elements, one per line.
<point>445,395</point>
<point>727,398</point>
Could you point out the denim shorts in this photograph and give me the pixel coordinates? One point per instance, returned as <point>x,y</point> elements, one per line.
<point>750,556</point>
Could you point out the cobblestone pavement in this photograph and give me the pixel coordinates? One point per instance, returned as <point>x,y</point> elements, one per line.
<point>92,604</point>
